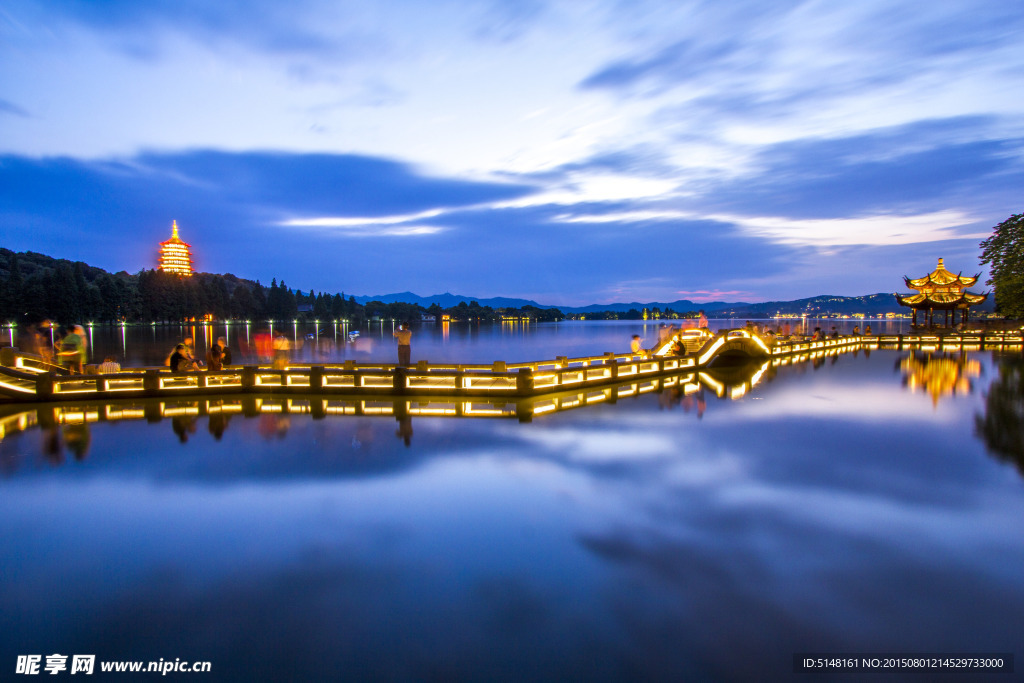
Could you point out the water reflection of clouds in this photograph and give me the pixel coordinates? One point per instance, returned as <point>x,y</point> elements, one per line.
<point>785,535</point>
<point>602,445</point>
<point>811,565</point>
<point>451,560</point>
<point>868,403</point>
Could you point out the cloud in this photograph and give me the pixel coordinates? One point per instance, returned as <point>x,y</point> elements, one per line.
<point>326,183</point>
<point>263,25</point>
<point>370,230</point>
<point>681,61</point>
<point>7,107</point>
<point>779,49</point>
<point>344,222</point>
<point>230,204</point>
<point>924,167</point>
<point>703,295</point>
<point>877,230</point>
<point>505,20</point>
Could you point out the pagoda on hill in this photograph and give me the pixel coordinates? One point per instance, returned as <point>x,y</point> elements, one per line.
<point>941,290</point>
<point>176,255</point>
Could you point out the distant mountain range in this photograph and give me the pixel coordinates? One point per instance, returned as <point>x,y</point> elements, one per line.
<point>822,304</point>
<point>447,300</point>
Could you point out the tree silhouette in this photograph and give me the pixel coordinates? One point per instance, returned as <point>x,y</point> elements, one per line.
<point>1003,252</point>
<point>1002,425</point>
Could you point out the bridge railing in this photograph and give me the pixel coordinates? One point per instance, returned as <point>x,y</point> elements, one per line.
<point>22,418</point>
<point>25,379</point>
<point>496,379</point>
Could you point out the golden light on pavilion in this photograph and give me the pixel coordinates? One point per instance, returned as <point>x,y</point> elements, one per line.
<point>943,291</point>
<point>176,255</point>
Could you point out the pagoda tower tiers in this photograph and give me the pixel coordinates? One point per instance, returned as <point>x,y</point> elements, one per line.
<point>941,290</point>
<point>176,255</point>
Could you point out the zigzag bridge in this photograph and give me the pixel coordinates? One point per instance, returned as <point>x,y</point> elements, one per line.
<point>25,378</point>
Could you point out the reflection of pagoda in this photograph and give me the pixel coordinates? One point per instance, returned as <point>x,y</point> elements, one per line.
<point>943,291</point>
<point>939,375</point>
<point>175,255</point>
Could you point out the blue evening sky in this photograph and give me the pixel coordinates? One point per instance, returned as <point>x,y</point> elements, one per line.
<point>570,152</point>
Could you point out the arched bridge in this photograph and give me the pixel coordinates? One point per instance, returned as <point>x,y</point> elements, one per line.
<point>708,347</point>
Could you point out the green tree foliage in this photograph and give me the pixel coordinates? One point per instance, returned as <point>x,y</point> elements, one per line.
<point>1003,252</point>
<point>34,287</point>
<point>281,304</point>
<point>243,304</point>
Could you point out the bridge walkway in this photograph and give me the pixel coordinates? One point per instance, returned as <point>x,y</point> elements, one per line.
<point>24,378</point>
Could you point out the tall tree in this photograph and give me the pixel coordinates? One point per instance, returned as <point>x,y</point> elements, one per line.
<point>1003,252</point>
<point>113,301</point>
<point>62,294</point>
<point>14,289</point>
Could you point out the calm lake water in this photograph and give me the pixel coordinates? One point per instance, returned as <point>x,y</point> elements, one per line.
<point>857,503</point>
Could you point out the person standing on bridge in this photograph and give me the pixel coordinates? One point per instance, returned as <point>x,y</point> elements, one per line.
<point>72,350</point>
<point>281,348</point>
<point>404,336</point>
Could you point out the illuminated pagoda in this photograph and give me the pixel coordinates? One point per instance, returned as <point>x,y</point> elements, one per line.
<point>941,290</point>
<point>175,255</point>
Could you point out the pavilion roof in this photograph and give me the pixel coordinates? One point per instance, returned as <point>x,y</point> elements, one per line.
<point>942,278</point>
<point>940,300</point>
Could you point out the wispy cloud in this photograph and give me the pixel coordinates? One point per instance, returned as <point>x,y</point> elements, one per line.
<point>351,222</point>
<point>367,227</point>
<point>13,109</point>
<point>704,295</point>
<point>871,230</point>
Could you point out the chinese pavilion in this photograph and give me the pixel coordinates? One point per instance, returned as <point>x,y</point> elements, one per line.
<point>943,291</point>
<point>175,255</point>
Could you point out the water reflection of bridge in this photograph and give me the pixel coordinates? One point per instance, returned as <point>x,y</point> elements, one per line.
<point>24,378</point>
<point>729,383</point>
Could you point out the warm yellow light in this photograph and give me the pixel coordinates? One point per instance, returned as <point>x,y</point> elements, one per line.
<point>175,255</point>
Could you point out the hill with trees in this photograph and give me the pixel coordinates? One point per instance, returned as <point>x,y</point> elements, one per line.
<point>35,287</point>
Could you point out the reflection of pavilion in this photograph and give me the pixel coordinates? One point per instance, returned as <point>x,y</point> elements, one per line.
<point>939,376</point>
<point>940,290</point>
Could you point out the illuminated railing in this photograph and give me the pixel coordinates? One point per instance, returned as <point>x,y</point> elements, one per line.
<point>686,382</point>
<point>30,378</point>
